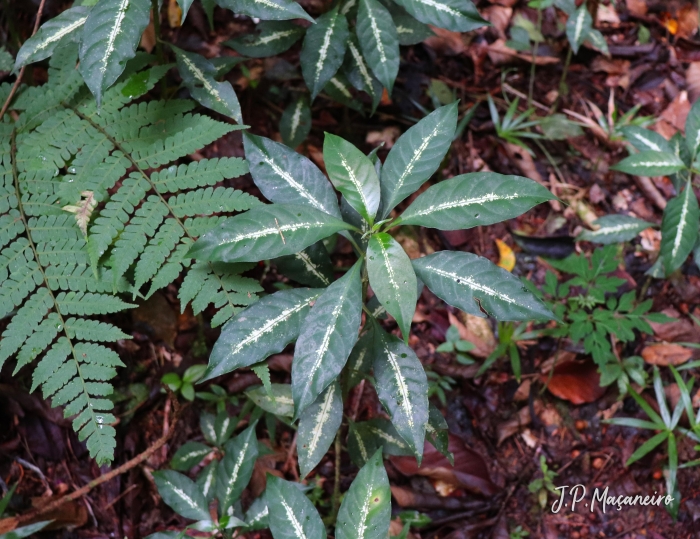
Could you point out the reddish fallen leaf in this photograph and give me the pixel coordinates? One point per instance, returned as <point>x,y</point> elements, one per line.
<point>665,354</point>
<point>574,381</point>
<point>680,330</point>
<point>469,472</point>
<point>475,330</point>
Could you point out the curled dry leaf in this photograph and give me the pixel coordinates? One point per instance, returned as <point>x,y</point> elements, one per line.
<point>469,472</point>
<point>575,381</point>
<point>665,354</point>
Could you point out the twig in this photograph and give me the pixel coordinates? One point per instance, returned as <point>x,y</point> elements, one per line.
<point>650,191</point>
<point>138,459</point>
<point>15,86</point>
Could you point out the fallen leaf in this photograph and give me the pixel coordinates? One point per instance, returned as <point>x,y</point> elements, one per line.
<point>148,38</point>
<point>446,42</point>
<point>499,17</point>
<point>680,330</point>
<point>673,117</point>
<point>638,8</point>
<point>174,14</point>
<point>506,256</point>
<point>687,21</point>
<point>508,428</point>
<point>387,136</point>
<point>665,354</point>
<point>692,77</point>
<point>575,381</point>
<point>475,330</point>
<point>469,472</point>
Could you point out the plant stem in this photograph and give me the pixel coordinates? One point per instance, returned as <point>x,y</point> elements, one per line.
<point>562,81</point>
<point>336,484</point>
<point>156,30</point>
<point>533,66</point>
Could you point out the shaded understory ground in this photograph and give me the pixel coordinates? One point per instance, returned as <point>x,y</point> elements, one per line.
<point>499,427</point>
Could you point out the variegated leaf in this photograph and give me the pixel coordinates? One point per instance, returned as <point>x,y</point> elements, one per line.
<point>110,36</point>
<point>409,30</point>
<point>387,436</point>
<point>268,10</point>
<point>311,267</point>
<point>274,38</point>
<point>182,494</point>
<point>437,434</point>
<point>577,27</point>
<point>62,28</point>
<point>188,455</point>
<point>198,75</point>
<point>264,328</point>
<point>318,425</point>
<point>454,15</point>
<point>206,480</point>
<point>235,469</point>
<point>379,41</point>
<point>366,509</point>
<point>291,513</point>
<point>476,285</point>
<point>264,232</point>
<point>469,200</point>
<point>256,517</point>
<point>323,49</point>
<point>284,176</point>
<point>361,444</point>
<point>359,73</point>
<point>326,339</point>
<point>417,155</point>
<point>295,123</point>
<point>207,424</point>
<point>224,425</point>
<point>692,130</point>
<point>392,279</point>
<point>353,174</point>
<point>360,361</point>
<point>646,139</point>
<point>679,229</point>
<point>650,163</point>
<point>614,229</point>
<point>402,387</point>
<point>340,90</point>
<point>279,402</point>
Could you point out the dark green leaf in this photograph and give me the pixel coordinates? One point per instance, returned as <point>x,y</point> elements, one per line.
<point>286,177</point>
<point>268,10</point>
<point>280,403</point>
<point>266,232</point>
<point>274,38</point>
<point>650,163</point>
<point>614,229</point>
<point>296,122</point>
<point>679,229</point>
<point>182,494</point>
<point>235,469</point>
<point>264,328</point>
<point>454,15</point>
<point>477,286</point>
<point>379,41</point>
<point>366,509</point>
<point>392,279</point>
<point>323,50</point>
<point>646,139</point>
<point>318,425</point>
<point>416,156</point>
<point>469,200</point>
<point>326,339</point>
<point>311,267</point>
<point>188,455</point>
<point>291,513</point>
<point>577,27</point>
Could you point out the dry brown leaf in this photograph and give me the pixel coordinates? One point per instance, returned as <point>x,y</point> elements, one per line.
<point>665,354</point>
<point>506,429</point>
<point>638,8</point>
<point>395,528</point>
<point>499,17</point>
<point>608,15</point>
<point>446,42</point>
<point>575,381</point>
<point>680,330</point>
<point>687,22</point>
<point>500,54</point>
<point>387,135</point>
<point>475,330</point>
<point>673,117</point>
<point>469,471</point>
<point>692,77</point>
<point>148,38</point>
<point>174,14</point>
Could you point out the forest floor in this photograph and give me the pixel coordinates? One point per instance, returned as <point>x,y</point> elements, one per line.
<point>499,427</point>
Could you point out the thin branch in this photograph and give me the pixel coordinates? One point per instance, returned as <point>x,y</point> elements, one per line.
<point>15,86</point>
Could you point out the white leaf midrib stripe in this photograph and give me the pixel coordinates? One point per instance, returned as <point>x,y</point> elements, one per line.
<point>402,386</point>
<point>415,157</point>
<point>299,188</point>
<point>355,182</point>
<point>469,281</point>
<point>291,227</point>
<point>202,78</point>
<point>321,418</point>
<point>682,224</point>
<point>61,33</point>
<point>298,529</point>
<point>376,33</point>
<point>364,72</point>
<point>312,268</point>
<point>491,197</point>
<point>324,48</point>
<point>116,29</point>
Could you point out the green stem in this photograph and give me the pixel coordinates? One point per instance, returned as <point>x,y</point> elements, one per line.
<point>336,484</point>
<point>533,66</point>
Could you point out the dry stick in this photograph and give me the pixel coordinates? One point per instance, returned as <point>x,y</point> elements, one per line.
<point>138,459</point>
<point>21,71</point>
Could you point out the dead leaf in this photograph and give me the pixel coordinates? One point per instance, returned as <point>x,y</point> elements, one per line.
<point>475,330</point>
<point>665,354</point>
<point>500,54</point>
<point>499,17</point>
<point>70,515</point>
<point>148,38</point>
<point>446,42</point>
<point>387,135</point>
<point>506,256</point>
<point>687,21</point>
<point>575,381</point>
<point>680,330</point>
<point>174,14</point>
<point>692,77</point>
<point>506,429</point>
<point>607,14</point>
<point>673,117</point>
<point>638,8</point>
<point>469,472</point>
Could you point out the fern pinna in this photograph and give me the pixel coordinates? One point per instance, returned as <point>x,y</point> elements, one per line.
<point>88,213</point>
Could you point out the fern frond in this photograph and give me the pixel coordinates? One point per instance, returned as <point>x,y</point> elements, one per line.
<point>209,200</point>
<point>202,173</point>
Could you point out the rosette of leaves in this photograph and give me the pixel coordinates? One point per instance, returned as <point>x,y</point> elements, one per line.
<point>354,44</point>
<point>656,156</point>
<point>325,318</point>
